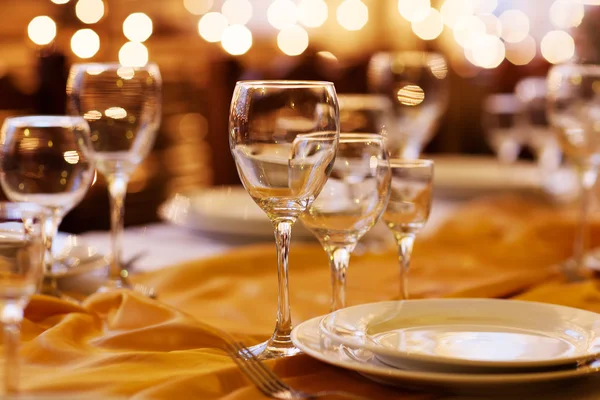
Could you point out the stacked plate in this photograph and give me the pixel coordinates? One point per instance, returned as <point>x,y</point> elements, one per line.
<point>464,346</point>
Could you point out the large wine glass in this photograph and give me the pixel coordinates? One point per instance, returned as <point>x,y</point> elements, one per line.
<point>21,269</point>
<point>417,85</point>
<point>574,112</point>
<point>42,161</point>
<point>123,108</point>
<point>283,136</point>
<point>350,204</point>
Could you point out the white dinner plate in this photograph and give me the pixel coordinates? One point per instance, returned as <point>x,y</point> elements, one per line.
<point>468,335</point>
<point>311,340</point>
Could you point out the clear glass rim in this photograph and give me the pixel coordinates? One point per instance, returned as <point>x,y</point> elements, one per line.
<point>114,65</point>
<point>404,163</point>
<point>283,84</point>
<point>44,120</point>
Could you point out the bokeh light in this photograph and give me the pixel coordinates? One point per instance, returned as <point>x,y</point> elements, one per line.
<point>515,25</point>
<point>89,11</point>
<point>133,54</point>
<point>352,15</point>
<point>410,95</point>
<point>292,40</point>
<point>452,9</point>
<point>137,27</point>
<point>60,1</point>
<point>312,13</point>
<point>492,24</point>
<point>484,6</point>
<point>237,12</point>
<point>566,14</point>
<point>198,7</point>
<point>488,51</point>
<point>41,30</point>
<point>85,43</point>
<point>414,10</point>
<point>211,26</point>
<point>429,28</point>
<point>521,53</point>
<point>466,29</point>
<point>282,13</point>
<point>557,47</point>
<point>236,40</point>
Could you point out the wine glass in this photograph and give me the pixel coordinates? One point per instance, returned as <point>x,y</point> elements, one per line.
<point>350,204</point>
<point>283,137</point>
<point>408,208</point>
<point>21,269</point>
<point>42,162</point>
<point>502,123</point>
<point>365,113</point>
<point>417,85</point>
<point>123,108</point>
<point>574,112</point>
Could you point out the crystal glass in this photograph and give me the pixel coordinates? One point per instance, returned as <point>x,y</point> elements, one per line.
<point>408,208</point>
<point>503,126</point>
<point>574,112</point>
<point>417,85</point>
<point>365,113</point>
<point>123,108</point>
<point>350,204</point>
<point>43,162</point>
<point>21,269</point>
<point>283,136</point>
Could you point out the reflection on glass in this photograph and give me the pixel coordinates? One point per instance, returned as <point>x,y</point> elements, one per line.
<point>408,208</point>
<point>417,85</point>
<point>360,113</point>
<point>43,162</point>
<point>350,204</point>
<point>123,108</point>
<point>502,125</point>
<point>283,137</point>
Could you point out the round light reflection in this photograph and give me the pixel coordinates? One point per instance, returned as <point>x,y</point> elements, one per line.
<point>137,27</point>
<point>237,11</point>
<point>41,30</point>
<point>429,28</point>
<point>515,25</point>
<point>352,15</point>
<point>282,13</point>
<point>89,11</point>
<point>236,40</point>
<point>521,53</point>
<point>557,47</point>
<point>414,10</point>
<point>488,51</point>
<point>312,13</point>
<point>133,54</point>
<point>85,43</point>
<point>452,9</point>
<point>211,26</point>
<point>198,7</point>
<point>566,14</point>
<point>293,40</point>
<point>468,28</point>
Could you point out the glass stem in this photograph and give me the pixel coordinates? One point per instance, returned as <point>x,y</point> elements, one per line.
<point>588,176</point>
<point>339,258</point>
<point>117,187</point>
<point>283,329</point>
<point>51,223</point>
<point>12,315</point>
<point>405,247</point>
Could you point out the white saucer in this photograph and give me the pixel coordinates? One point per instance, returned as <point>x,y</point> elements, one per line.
<point>309,338</point>
<point>468,335</point>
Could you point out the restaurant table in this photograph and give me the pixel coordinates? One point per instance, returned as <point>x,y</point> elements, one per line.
<point>122,345</point>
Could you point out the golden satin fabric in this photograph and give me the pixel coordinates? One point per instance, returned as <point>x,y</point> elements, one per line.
<point>125,346</point>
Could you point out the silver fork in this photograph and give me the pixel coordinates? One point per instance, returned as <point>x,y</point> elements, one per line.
<point>269,383</point>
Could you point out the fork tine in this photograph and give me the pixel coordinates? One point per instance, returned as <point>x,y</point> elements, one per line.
<point>266,371</point>
<point>252,370</point>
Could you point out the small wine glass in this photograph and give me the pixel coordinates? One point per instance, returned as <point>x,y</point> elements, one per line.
<point>574,112</point>
<point>350,204</point>
<point>42,161</point>
<point>365,113</point>
<point>417,85</point>
<point>408,208</point>
<point>123,108</point>
<point>502,123</point>
<point>283,137</point>
<point>21,269</point>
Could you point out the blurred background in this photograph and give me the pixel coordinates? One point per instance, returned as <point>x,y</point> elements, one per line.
<point>204,46</point>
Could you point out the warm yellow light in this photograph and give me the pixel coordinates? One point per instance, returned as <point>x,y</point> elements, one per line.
<point>41,30</point>
<point>452,9</point>
<point>198,7</point>
<point>237,12</point>
<point>85,43</point>
<point>410,95</point>
<point>468,28</point>
<point>115,112</point>
<point>137,27</point>
<point>429,28</point>
<point>211,26</point>
<point>236,40</point>
<point>492,24</point>
<point>484,6</point>
<point>60,1</point>
<point>282,13</point>
<point>515,26</point>
<point>352,15</point>
<point>521,53</point>
<point>566,14</point>
<point>133,54</point>
<point>488,51</point>
<point>414,10</point>
<point>89,11</point>
<point>292,40</point>
<point>557,47</point>
<point>312,13</point>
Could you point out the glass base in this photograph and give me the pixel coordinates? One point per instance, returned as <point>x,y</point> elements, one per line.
<point>274,348</point>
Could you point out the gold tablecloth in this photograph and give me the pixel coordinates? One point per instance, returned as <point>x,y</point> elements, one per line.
<point>123,345</point>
